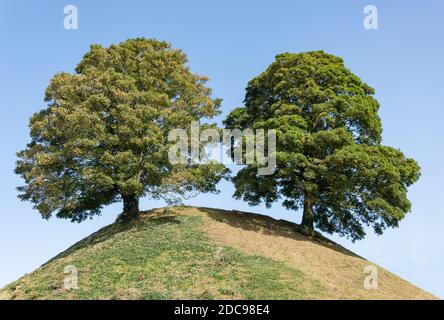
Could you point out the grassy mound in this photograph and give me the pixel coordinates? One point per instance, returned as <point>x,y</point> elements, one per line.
<point>200,253</point>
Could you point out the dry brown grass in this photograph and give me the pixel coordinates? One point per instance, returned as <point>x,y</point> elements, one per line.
<point>340,271</point>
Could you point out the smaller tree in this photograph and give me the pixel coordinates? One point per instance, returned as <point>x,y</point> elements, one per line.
<point>330,161</point>
<point>103,136</point>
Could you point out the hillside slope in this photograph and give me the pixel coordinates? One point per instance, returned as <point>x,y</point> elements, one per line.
<point>201,253</point>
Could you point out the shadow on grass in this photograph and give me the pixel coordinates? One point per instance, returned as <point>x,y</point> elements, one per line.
<point>269,226</point>
<point>238,219</point>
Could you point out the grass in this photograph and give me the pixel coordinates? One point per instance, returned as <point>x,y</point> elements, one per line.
<point>164,257</point>
<point>198,253</point>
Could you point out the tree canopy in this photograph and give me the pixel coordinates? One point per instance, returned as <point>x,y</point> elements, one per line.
<point>103,136</point>
<point>330,161</point>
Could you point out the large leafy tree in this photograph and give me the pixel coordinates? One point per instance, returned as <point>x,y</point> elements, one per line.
<point>103,136</point>
<point>330,161</point>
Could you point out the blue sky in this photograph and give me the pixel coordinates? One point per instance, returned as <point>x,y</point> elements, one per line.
<point>231,42</point>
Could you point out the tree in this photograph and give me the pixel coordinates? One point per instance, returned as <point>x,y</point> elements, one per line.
<point>103,136</point>
<point>330,161</point>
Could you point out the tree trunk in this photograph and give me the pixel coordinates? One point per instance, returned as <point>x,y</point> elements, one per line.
<point>307,216</point>
<point>130,207</point>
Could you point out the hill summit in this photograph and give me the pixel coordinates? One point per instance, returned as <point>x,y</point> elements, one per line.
<point>203,253</point>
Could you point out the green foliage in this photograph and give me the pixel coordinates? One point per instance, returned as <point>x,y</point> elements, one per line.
<point>103,135</point>
<point>330,160</point>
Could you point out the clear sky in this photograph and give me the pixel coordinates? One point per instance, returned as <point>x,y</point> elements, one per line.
<point>231,42</point>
